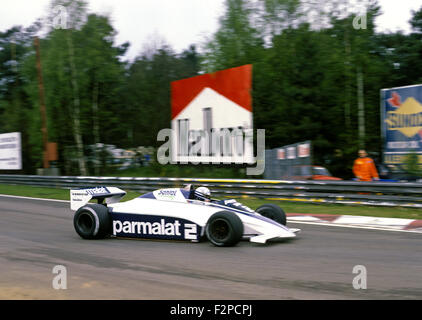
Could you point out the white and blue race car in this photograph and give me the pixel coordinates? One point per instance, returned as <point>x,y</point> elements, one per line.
<point>174,214</point>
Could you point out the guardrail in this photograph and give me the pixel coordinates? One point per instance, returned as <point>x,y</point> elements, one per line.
<point>344,192</point>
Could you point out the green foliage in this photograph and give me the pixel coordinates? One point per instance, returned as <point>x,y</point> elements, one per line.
<point>148,91</point>
<point>236,42</point>
<point>412,164</point>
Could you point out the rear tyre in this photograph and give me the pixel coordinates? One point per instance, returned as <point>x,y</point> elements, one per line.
<point>224,229</point>
<point>92,221</point>
<point>273,212</point>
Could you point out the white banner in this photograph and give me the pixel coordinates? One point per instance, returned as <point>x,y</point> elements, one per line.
<point>10,151</point>
<point>291,153</point>
<point>304,150</point>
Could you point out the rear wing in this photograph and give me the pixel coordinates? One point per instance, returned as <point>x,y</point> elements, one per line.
<point>80,197</point>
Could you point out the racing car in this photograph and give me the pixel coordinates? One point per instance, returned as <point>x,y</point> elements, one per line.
<point>175,214</point>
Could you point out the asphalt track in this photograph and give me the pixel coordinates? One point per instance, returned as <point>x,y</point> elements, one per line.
<point>37,235</point>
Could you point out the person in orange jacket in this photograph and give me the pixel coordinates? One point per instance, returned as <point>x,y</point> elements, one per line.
<point>364,168</point>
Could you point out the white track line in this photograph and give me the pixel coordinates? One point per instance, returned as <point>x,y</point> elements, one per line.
<point>30,198</point>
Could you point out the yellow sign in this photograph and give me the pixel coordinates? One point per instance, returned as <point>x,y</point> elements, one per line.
<point>407,118</point>
<point>398,158</point>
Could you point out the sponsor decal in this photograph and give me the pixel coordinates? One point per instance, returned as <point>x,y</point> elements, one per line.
<point>78,198</point>
<point>167,193</point>
<point>97,190</point>
<point>78,194</point>
<point>147,226</point>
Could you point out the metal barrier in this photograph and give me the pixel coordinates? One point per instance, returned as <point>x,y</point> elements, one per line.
<point>342,192</point>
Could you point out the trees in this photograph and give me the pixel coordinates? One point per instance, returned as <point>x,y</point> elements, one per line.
<point>148,90</point>
<point>83,77</point>
<point>236,42</point>
<point>15,103</point>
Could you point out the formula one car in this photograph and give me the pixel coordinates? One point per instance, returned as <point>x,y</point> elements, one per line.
<point>174,214</point>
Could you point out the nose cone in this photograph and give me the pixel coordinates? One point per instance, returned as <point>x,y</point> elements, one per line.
<point>283,234</point>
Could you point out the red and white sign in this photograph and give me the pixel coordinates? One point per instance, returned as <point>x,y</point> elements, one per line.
<point>291,153</point>
<point>304,150</point>
<point>281,154</point>
<point>211,117</point>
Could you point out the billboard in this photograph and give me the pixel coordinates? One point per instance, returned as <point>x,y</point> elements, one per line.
<point>401,123</point>
<point>295,151</point>
<point>211,118</point>
<point>283,162</point>
<point>10,151</point>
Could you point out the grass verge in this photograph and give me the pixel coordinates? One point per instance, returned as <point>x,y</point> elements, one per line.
<point>289,207</point>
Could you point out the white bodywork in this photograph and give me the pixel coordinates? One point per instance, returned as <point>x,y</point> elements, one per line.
<point>172,203</point>
<point>80,197</point>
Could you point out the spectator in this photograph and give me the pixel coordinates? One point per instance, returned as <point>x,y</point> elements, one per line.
<point>364,168</point>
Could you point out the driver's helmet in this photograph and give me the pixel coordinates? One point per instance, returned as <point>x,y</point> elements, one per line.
<point>202,193</point>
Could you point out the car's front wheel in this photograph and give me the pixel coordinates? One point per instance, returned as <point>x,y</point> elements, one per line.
<point>224,229</point>
<point>273,212</point>
<point>92,221</point>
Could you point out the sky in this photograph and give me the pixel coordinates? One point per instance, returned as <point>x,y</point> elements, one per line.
<point>179,22</point>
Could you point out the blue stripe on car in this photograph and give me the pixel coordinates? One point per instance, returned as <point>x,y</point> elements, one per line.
<point>148,195</point>
<point>259,217</point>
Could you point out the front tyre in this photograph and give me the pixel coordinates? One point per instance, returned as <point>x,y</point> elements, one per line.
<point>273,212</point>
<point>224,229</point>
<point>92,221</point>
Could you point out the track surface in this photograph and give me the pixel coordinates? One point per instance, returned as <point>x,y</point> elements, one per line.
<point>37,235</point>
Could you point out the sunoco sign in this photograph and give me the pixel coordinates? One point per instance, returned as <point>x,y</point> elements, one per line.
<point>401,111</point>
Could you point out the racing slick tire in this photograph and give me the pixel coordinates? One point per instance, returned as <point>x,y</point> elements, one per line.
<point>92,221</point>
<point>273,212</point>
<point>224,229</point>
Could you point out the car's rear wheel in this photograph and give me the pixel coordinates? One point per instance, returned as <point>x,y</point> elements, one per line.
<point>273,212</point>
<point>92,221</point>
<point>224,229</point>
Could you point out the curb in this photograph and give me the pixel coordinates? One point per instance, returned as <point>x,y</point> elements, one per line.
<point>397,224</point>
